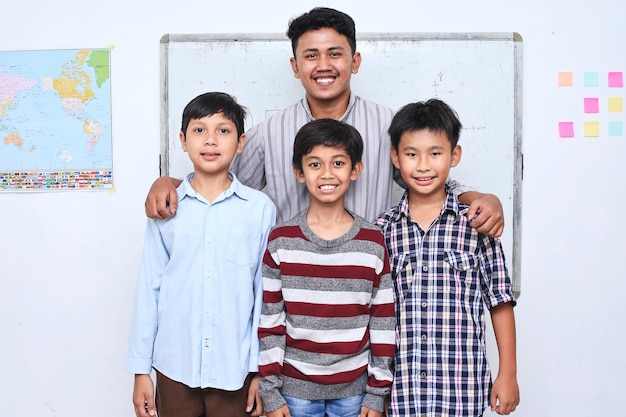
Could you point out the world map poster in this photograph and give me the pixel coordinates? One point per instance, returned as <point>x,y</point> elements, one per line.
<point>55,120</point>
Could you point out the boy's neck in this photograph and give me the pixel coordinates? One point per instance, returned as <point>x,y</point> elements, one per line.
<point>329,221</point>
<point>424,209</point>
<point>210,186</point>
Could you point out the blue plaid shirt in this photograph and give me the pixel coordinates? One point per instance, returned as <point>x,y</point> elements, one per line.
<point>443,278</point>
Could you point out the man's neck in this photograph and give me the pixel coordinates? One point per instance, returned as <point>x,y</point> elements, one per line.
<point>328,109</point>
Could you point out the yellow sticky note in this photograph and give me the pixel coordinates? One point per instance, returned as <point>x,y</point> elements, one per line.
<point>592,129</point>
<point>566,79</point>
<point>615,104</point>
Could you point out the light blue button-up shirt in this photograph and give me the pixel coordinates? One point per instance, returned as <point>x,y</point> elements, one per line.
<point>199,292</point>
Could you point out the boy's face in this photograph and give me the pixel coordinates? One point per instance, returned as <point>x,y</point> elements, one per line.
<point>324,64</point>
<point>327,173</point>
<point>424,159</point>
<point>211,143</point>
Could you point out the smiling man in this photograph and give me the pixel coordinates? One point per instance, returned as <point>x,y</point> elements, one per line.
<point>324,59</point>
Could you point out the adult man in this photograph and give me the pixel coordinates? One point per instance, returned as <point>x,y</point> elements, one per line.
<point>324,59</point>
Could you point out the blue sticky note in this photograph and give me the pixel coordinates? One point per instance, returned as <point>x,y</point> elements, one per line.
<point>616,128</point>
<point>591,79</point>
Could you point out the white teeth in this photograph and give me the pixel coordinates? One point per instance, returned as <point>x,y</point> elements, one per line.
<point>327,187</point>
<point>325,80</point>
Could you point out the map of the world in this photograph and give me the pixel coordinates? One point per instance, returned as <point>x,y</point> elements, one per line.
<point>55,120</point>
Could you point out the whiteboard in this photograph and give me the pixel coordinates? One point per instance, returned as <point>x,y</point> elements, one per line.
<point>478,74</point>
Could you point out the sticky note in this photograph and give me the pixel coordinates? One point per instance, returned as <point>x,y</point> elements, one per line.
<point>566,79</point>
<point>591,129</point>
<point>615,105</point>
<point>566,129</point>
<point>591,105</point>
<point>616,79</point>
<point>590,79</point>
<point>616,128</point>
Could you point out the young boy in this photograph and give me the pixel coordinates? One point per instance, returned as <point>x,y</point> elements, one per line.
<point>327,325</point>
<point>443,271</point>
<point>199,293</point>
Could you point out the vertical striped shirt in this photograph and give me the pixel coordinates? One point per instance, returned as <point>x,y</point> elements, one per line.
<point>327,323</point>
<point>442,279</point>
<point>266,160</point>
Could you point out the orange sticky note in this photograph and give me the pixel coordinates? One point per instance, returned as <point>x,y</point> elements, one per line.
<point>566,79</point>
<point>592,129</point>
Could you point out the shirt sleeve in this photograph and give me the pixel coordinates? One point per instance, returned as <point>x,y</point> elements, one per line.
<point>382,337</point>
<point>143,326</point>
<point>249,165</point>
<point>272,335</point>
<point>496,282</point>
<point>269,218</point>
<point>457,188</point>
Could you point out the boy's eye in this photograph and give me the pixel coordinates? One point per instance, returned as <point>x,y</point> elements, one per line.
<point>411,154</point>
<point>314,164</point>
<point>223,130</point>
<point>310,56</point>
<point>198,129</point>
<point>338,163</point>
<point>436,153</point>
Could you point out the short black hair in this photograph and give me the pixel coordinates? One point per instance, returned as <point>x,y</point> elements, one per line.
<point>208,104</point>
<point>320,18</point>
<point>327,132</point>
<point>433,115</point>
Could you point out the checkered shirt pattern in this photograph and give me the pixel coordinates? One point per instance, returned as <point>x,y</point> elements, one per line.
<point>443,279</point>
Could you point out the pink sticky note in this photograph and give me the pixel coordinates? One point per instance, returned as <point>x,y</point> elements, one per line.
<point>566,129</point>
<point>616,79</point>
<point>591,105</point>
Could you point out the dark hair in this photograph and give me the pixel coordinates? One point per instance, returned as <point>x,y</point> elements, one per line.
<point>327,132</point>
<point>208,104</point>
<point>320,18</point>
<point>433,115</point>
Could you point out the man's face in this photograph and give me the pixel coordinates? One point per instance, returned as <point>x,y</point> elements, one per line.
<point>324,63</point>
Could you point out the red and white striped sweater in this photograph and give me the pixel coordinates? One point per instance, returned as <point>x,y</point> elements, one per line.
<point>327,324</point>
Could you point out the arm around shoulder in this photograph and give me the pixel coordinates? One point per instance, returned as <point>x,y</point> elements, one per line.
<point>162,199</point>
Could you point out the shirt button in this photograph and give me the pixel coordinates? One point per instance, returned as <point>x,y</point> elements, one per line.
<point>209,240</point>
<point>424,337</point>
<point>425,268</point>
<point>423,374</point>
<point>424,304</point>
<point>208,275</point>
<point>206,343</point>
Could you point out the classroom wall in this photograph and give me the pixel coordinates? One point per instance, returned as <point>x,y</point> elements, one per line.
<point>69,260</point>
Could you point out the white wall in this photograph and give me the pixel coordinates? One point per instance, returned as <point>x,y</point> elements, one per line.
<point>68,260</point>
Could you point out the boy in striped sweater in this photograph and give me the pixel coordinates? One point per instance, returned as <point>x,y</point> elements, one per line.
<point>327,322</point>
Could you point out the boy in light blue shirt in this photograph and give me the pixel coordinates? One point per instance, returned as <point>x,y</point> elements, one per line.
<point>199,293</point>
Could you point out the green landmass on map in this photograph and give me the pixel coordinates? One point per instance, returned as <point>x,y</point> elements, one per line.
<point>99,61</point>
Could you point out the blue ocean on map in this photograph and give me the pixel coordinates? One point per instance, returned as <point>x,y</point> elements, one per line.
<point>55,110</point>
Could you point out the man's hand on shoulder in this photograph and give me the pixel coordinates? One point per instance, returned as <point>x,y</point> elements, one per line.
<point>162,199</point>
<point>485,213</point>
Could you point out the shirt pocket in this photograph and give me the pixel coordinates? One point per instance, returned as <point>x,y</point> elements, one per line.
<point>243,247</point>
<point>402,274</point>
<point>464,267</point>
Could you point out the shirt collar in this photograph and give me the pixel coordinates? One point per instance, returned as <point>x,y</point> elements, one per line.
<point>451,206</point>
<point>236,188</point>
<point>351,104</point>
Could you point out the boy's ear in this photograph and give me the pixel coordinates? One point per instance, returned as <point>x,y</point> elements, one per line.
<point>356,170</point>
<point>183,141</point>
<point>299,175</point>
<point>394,157</point>
<point>456,156</point>
<point>241,143</point>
